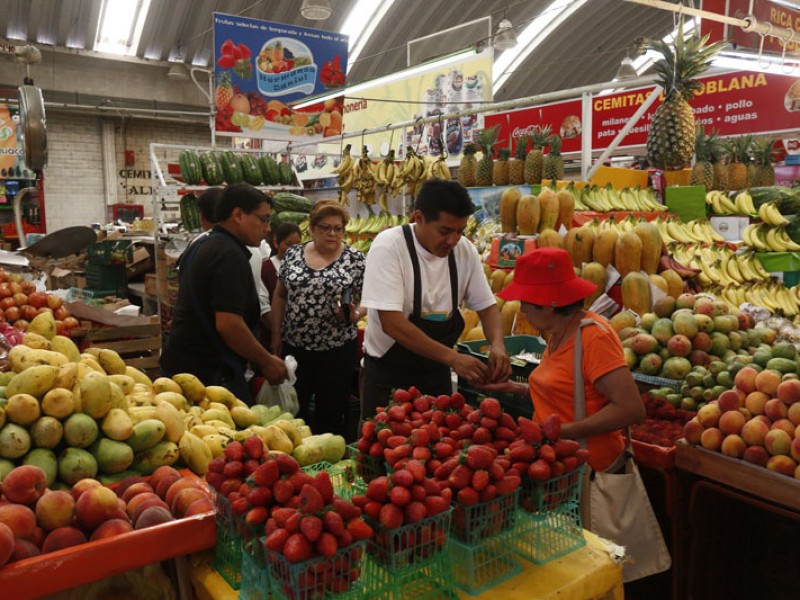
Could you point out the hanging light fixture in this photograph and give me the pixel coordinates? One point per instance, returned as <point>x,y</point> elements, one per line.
<point>626,70</point>
<point>505,37</point>
<point>316,10</point>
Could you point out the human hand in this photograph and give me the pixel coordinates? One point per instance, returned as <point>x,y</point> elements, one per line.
<point>470,368</point>
<point>504,387</point>
<point>499,365</point>
<point>274,370</point>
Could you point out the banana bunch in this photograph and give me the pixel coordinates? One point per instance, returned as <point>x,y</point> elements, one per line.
<point>769,213</point>
<point>772,295</point>
<point>412,173</point>
<point>720,266</point>
<point>607,199</point>
<point>722,205</point>
<point>766,238</point>
<point>699,231</point>
<point>344,174</point>
<point>364,179</point>
<point>437,169</point>
<point>795,292</point>
<point>374,223</point>
<point>385,176</point>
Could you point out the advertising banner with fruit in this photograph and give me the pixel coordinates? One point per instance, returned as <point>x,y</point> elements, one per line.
<point>261,67</point>
<point>733,103</point>
<point>445,88</point>
<point>778,15</point>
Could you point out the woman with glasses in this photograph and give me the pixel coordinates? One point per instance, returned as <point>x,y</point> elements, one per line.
<point>315,309</point>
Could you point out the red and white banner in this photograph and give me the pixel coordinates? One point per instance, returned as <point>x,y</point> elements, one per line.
<point>764,11</point>
<point>733,104</point>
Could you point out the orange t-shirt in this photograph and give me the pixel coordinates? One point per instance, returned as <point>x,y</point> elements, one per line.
<point>552,385</point>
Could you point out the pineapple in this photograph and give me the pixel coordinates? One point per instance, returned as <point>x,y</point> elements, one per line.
<point>718,154</point>
<point>468,167</point>
<point>765,170</point>
<point>486,140</point>
<point>224,92</point>
<point>500,168</point>
<point>670,141</point>
<point>516,168</point>
<point>535,158</point>
<point>737,168</point>
<point>553,167</point>
<point>703,171</point>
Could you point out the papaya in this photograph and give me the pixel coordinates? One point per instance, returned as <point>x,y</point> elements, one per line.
<point>528,214</point>
<point>674,282</point>
<point>578,243</point>
<point>508,210</point>
<point>628,253</point>
<point>636,292</point>
<point>548,207</point>
<point>596,273</point>
<point>549,238</point>
<point>604,246</point>
<point>651,246</point>
<point>566,208</point>
<point>507,315</point>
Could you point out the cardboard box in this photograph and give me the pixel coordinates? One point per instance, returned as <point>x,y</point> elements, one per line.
<point>61,279</point>
<point>730,227</point>
<point>151,284</point>
<point>141,262</point>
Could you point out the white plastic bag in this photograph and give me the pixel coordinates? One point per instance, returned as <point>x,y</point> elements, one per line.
<point>282,395</point>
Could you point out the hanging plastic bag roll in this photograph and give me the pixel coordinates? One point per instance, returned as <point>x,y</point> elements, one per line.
<point>282,395</point>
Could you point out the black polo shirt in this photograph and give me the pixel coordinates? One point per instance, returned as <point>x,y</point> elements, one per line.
<point>217,273</point>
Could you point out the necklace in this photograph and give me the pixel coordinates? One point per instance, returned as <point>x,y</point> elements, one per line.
<point>554,346</point>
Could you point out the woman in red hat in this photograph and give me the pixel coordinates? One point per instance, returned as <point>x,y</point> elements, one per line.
<point>551,297</point>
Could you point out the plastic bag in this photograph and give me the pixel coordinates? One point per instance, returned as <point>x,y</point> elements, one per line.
<point>282,395</point>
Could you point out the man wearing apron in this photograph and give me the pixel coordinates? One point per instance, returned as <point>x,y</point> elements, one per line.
<point>416,278</point>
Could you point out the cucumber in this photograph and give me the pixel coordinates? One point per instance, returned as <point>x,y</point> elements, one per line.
<point>250,169</point>
<point>231,167</point>
<point>191,170</point>
<point>285,201</point>
<point>212,170</point>
<point>286,174</point>
<point>287,216</point>
<point>190,213</point>
<point>269,170</point>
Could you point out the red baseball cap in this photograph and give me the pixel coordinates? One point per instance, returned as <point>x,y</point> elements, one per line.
<point>545,277</point>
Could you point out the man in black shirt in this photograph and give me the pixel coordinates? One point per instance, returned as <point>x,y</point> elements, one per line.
<point>218,309</point>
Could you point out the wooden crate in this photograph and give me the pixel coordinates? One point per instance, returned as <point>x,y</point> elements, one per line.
<point>138,345</point>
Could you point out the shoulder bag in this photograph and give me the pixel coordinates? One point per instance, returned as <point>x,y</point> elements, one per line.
<point>616,499</point>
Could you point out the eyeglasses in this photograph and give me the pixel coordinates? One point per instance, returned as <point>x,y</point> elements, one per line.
<point>325,228</point>
<point>264,219</point>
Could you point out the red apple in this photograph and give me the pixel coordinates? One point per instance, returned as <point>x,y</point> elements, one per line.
<point>15,287</point>
<point>5,290</point>
<point>38,299</point>
<point>53,301</point>
<point>20,299</point>
<point>61,329</point>
<point>7,302</point>
<point>22,324</point>
<point>28,312</point>
<point>28,287</point>
<point>71,322</point>
<point>12,314</point>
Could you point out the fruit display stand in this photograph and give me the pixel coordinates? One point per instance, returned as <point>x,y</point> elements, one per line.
<point>722,498</point>
<point>581,217</point>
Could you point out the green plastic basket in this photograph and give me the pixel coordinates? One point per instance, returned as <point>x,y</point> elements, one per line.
<point>473,524</point>
<point>340,477</point>
<point>338,576</point>
<point>411,544</point>
<point>228,550</point>
<point>543,496</point>
<point>545,536</point>
<point>110,252</point>
<point>429,580</point>
<point>514,404</point>
<point>477,568</point>
<point>107,277</point>
<point>367,467</point>
<point>515,344</point>
<point>255,575</point>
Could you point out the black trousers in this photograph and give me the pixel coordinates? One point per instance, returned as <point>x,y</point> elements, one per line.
<point>326,376</point>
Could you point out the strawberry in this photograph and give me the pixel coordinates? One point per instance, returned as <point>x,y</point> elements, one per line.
<point>240,506</point>
<point>447,467</point>
<point>403,451</point>
<point>324,486</point>
<point>401,396</point>
<point>286,464</point>
<point>396,441</point>
<point>422,453</point>
<point>359,529</point>
<point>311,527</point>
<point>481,436</point>
<point>565,448</point>
<point>474,417</point>
<point>260,496</point>
<point>547,452</point>
<point>438,418</point>
<point>233,469</point>
<point>523,452</point>
<point>346,539</point>
<point>293,522</point>
<point>250,466</point>
<point>433,431</point>
<point>582,455</point>
<point>414,512</point>
<point>479,457</point>
<point>457,401</point>
<point>468,496</point>
<point>431,488</point>
<point>276,540</point>
<point>254,447</point>
<point>327,545</point>
<point>256,516</point>
<point>418,492</point>
<point>297,548</point>
<point>372,509</point>
<point>480,479</point>
<point>298,479</point>
<point>400,496</point>
<point>435,505</point>
<point>282,491</point>
<point>417,470</point>
<point>460,477</point>
<point>508,484</point>
<point>368,429</point>
<point>215,480</point>
<point>384,435</point>
<point>333,522</point>
<point>234,451</point>
<point>378,489</point>
<point>396,413</point>
<point>496,471</point>
<point>490,493</point>
<point>447,494</point>
<point>506,420</point>
<point>422,404</point>
<point>403,477</point>
<point>504,434</point>
<point>267,474</point>
<point>491,408</point>
<point>360,500</point>
<point>519,468</point>
<point>558,468</point>
<point>530,431</point>
<point>490,424</point>
<point>216,465</point>
<point>464,432</point>
<point>570,463</point>
<point>311,500</point>
<point>234,496</point>
<point>442,402</point>
<point>452,420</point>
<point>281,515</point>
<point>552,428</point>
<point>540,470</point>
<point>363,445</point>
<point>345,509</point>
<point>270,527</point>
<point>245,489</point>
<point>390,516</point>
<point>420,437</point>
<point>442,450</point>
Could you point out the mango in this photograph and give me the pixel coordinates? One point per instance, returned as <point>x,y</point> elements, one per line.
<point>164,453</point>
<point>117,425</point>
<point>80,430</point>
<point>172,419</point>
<point>125,382</point>
<point>214,414</point>
<point>138,376</point>
<point>334,449</point>
<point>111,362</point>
<point>58,403</point>
<point>216,444</point>
<point>195,453</point>
<point>44,324</point>
<point>35,341</point>
<point>117,477</point>
<point>118,399</point>
<point>67,376</point>
<point>21,357</point>
<point>95,395</point>
<point>47,432</point>
<point>22,409</point>
<point>276,439</point>
<point>265,414</point>
<point>36,381</point>
<point>90,362</point>
<point>141,413</point>
<point>202,431</point>
<point>14,441</point>
<point>308,454</point>
<point>243,417</point>
<point>112,456</point>
<point>191,387</point>
<point>290,429</point>
<point>75,464</point>
<point>177,400</point>
<point>92,351</point>
<point>217,393</point>
<point>146,434</point>
<point>44,459</point>
<point>67,347</point>
<point>165,384</point>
